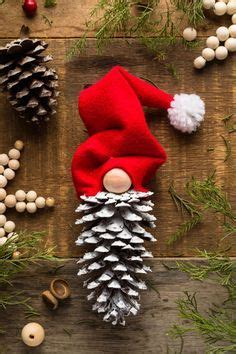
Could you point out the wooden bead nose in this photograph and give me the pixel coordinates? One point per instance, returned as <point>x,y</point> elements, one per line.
<point>117,181</point>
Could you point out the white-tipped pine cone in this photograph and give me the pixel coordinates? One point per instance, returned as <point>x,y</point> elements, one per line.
<point>114,230</point>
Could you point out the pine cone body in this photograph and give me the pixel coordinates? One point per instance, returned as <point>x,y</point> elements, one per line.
<point>31,85</point>
<point>114,230</point>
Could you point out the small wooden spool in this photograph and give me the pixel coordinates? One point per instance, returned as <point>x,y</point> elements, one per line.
<point>60,289</point>
<point>49,300</point>
<point>117,181</point>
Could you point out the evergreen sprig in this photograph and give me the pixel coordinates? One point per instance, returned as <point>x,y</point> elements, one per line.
<point>204,195</point>
<point>216,326</point>
<point>156,27</point>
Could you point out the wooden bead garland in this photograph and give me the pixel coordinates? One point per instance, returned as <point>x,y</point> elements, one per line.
<point>21,200</point>
<point>223,42</point>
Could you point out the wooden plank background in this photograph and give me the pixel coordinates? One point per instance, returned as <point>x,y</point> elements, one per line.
<point>45,167</point>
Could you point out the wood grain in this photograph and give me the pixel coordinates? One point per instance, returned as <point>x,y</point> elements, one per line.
<point>74,328</point>
<point>45,163</point>
<point>69,18</point>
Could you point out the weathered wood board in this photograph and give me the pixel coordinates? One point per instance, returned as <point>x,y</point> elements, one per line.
<point>45,162</point>
<point>74,328</point>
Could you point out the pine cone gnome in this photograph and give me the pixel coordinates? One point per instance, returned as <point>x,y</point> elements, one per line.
<point>30,84</point>
<point>110,172</point>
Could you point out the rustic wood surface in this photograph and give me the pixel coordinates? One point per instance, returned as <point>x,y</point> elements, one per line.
<point>45,167</point>
<point>74,328</point>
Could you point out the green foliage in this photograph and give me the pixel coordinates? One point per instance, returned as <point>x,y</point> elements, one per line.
<point>204,195</point>
<point>50,3</point>
<point>216,326</point>
<point>157,28</point>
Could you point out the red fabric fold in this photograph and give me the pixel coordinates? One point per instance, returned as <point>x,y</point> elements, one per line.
<point>112,112</point>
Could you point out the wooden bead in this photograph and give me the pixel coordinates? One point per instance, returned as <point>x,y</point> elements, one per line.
<point>1,169</point>
<point>33,334</point>
<point>19,145</point>
<point>31,207</point>
<point>9,226</point>
<point>221,53</point>
<point>230,44</point>
<point>231,7</point>
<point>2,232</point>
<point>117,181</point>
<point>212,42</point>
<point>208,4</point>
<point>199,62</point>
<point>40,202</point>
<point>208,54</point>
<point>3,194</point>
<point>3,181</point>
<point>49,300</point>
<point>3,220</point>
<point>9,174</point>
<point>14,164</point>
<point>20,207</point>
<point>31,196</point>
<point>14,154</point>
<point>220,8</point>
<point>10,201</point>
<point>189,34</point>
<point>4,159</point>
<point>60,288</point>
<point>222,33</point>
<point>50,202</point>
<point>232,31</point>
<point>20,195</point>
<point>16,255</point>
<point>233,19</point>
<point>3,240</point>
<point>2,208</point>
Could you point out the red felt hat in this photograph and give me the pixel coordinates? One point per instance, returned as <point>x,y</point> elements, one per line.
<point>119,136</point>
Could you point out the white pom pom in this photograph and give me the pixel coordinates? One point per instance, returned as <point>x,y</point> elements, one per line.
<point>186,112</point>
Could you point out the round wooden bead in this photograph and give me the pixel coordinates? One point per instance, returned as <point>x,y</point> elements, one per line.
<point>50,202</point>
<point>14,164</point>
<point>2,232</point>
<point>3,240</point>
<point>16,255</point>
<point>208,4</point>
<point>3,194</point>
<point>10,201</point>
<point>33,334</point>
<point>40,202</point>
<point>4,159</point>
<point>1,169</point>
<point>117,181</point>
<point>212,42</point>
<point>233,19</point>
<point>9,226</point>
<point>31,196</point>
<point>31,207</point>
<point>189,34</point>
<point>208,54</point>
<point>9,174</point>
<point>220,8</point>
<point>14,154</point>
<point>3,220</point>
<point>2,208</point>
<point>230,44</point>
<point>20,195</point>
<point>199,62</point>
<point>3,181</point>
<point>19,145</point>
<point>20,207</point>
<point>231,7</point>
<point>221,53</point>
<point>222,33</point>
<point>232,31</point>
